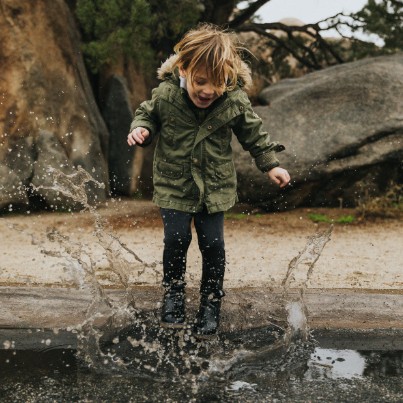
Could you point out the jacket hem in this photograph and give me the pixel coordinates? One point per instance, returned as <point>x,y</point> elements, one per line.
<point>217,207</point>
<point>194,207</point>
<point>174,205</point>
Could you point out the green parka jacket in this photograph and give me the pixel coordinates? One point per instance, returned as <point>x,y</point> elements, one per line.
<point>193,164</point>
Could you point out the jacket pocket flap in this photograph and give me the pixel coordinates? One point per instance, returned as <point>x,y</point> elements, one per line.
<point>170,170</point>
<point>225,170</point>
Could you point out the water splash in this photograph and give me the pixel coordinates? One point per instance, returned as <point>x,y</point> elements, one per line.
<point>72,186</point>
<point>297,312</point>
<point>102,309</point>
<point>138,342</point>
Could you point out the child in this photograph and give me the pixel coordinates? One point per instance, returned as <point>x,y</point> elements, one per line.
<point>194,111</point>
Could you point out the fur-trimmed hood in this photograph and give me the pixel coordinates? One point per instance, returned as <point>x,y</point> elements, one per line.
<point>169,69</point>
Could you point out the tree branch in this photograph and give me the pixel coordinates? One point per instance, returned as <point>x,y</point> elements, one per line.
<point>245,14</point>
<point>256,28</point>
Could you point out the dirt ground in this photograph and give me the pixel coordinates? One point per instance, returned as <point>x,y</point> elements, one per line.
<point>259,248</point>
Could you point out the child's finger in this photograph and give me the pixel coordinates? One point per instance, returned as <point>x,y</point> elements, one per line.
<point>140,135</point>
<point>130,141</point>
<point>285,179</point>
<point>131,138</point>
<point>135,137</point>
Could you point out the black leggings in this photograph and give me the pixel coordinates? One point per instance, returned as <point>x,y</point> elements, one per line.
<point>177,238</point>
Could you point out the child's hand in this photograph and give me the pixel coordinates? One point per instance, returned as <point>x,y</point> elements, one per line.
<point>280,176</point>
<point>138,135</point>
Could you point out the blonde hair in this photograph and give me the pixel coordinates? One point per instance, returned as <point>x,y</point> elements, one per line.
<point>211,48</point>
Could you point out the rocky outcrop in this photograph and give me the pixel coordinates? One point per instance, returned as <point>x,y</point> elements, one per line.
<point>123,86</point>
<point>343,132</point>
<point>48,116</point>
<point>118,115</point>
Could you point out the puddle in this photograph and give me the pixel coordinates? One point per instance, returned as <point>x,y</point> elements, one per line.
<point>240,366</point>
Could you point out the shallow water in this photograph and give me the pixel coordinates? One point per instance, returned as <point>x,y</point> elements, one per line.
<point>244,366</point>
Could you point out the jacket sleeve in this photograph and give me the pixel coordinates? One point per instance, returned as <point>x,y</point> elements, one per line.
<point>147,116</point>
<point>249,131</point>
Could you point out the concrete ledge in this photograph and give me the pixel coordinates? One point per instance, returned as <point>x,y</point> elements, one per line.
<point>62,308</point>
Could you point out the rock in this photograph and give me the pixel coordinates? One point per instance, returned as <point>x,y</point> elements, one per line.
<point>343,132</point>
<point>16,167</point>
<point>127,84</point>
<point>11,190</point>
<point>50,153</point>
<point>45,89</point>
<point>117,113</point>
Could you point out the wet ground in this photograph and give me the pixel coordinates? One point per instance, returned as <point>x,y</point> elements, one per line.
<point>241,367</point>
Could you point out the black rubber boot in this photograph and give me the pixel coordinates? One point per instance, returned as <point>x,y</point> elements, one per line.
<point>173,307</point>
<point>211,291</point>
<point>208,317</point>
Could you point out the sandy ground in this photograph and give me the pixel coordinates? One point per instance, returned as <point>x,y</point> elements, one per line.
<point>65,251</point>
<point>35,249</point>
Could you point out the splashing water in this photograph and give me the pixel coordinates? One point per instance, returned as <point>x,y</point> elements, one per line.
<point>138,341</point>
<point>296,308</point>
<point>102,308</point>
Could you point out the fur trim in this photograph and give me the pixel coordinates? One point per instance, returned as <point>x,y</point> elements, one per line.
<point>245,75</point>
<point>168,69</point>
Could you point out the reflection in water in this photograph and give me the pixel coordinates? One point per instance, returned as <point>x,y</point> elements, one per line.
<point>329,363</point>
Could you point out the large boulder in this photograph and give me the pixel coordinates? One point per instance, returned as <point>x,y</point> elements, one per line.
<point>123,85</point>
<point>343,132</point>
<point>48,114</point>
<point>117,113</point>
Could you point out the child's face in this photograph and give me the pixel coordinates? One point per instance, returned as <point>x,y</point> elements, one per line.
<point>201,90</point>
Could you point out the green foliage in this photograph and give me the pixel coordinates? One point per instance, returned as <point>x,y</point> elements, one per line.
<point>240,216</point>
<point>174,17</point>
<point>381,20</point>
<point>343,219</point>
<point>146,30</point>
<point>299,53</point>
<point>133,28</point>
<point>115,27</point>
<point>385,19</point>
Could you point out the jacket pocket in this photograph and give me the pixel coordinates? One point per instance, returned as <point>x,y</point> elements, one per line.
<point>225,170</point>
<point>170,170</point>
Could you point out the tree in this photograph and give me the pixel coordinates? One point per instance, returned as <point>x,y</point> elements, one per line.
<point>385,19</point>
<point>139,29</point>
<point>148,29</point>
<point>113,27</point>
